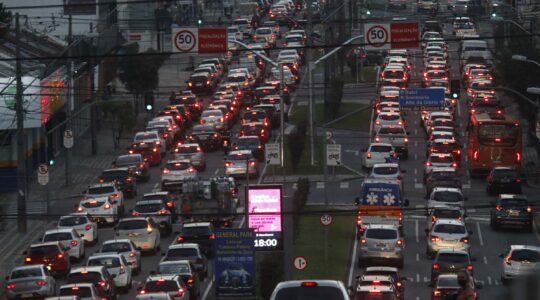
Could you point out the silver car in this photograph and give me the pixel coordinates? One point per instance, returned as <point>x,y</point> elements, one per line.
<point>442,212</point>
<point>158,210</point>
<point>285,289</point>
<point>176,172</point>
<point>116,265</point>
<point>127,248</point>
<point>381,242</point>
<point>154,296</point>
<point>192,152</point>
<point>443,196</point>
<point>213,117</point>
<point>29,282</point>
<point>241,163</point>
<point>447,233</point>
<point>520,260</point>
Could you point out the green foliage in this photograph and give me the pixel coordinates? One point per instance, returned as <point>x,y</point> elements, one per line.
<point>299,201</point>
<point>270,272</point>
<point>332,104</point>
<point>121,116</point>
<point>139,71</point>
<point>296,141</point>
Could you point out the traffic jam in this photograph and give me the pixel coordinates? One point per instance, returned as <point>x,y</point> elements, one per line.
<point>468,136</point>
<point>195,153</point>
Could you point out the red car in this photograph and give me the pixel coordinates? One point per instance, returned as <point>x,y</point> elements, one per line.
<point>51,254</point>
<point>150,151</point>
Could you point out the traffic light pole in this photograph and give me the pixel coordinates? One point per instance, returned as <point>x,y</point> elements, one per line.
<point>21,136</point>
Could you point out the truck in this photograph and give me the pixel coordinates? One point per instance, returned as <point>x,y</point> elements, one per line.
<point>213,200</point>
<point>380,202</point>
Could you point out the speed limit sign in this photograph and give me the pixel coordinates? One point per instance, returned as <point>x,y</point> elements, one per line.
<point>377,36</point>
<point>185,40</point>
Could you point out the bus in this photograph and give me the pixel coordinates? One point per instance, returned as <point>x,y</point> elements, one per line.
<point>494,140</point>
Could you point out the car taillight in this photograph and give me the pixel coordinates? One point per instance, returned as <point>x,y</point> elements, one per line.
<point>154,150</point>
<point>435,238</point>
<point>74,243</point>
<point>107,206</point>
<point>476,155</point>
<point>60,256</point>
<point>88,227</point>
<point>170,204</point>
<point>252,163</point>
<point>166,171</point>
<point>190,84</point>
<point>436,293</point>
<point>378,122</point>
<point>406,140</point>
<point>469,267</point>
<point>190,280</point>
<point>228,164</point>
<point>464,240</point>
<point>435,266</point>
<point>363,241</point>
<point>377,139</point>
<point>149,229</point>
<point>132,254</point>
<point>399,243</point>
<point>28,259</point>
<point>191,170</point>
<point>428,163</point>
<point>212,236</point>
<point>507,260</point>
<point>180,293</point>
<point>163,212</point>
<point>518,157</point>
<point>454,165</point>
<point>498,207</point>
<point>11,286</point>
<point>375,292</point>
<point>41,283</point>
<point>433,219</point>
<point>179,238</point>
<point>529,209</point>
<point>142,292</point>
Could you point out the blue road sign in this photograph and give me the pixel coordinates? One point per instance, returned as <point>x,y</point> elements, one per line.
<point>234,262</point>
<point>421,98</point>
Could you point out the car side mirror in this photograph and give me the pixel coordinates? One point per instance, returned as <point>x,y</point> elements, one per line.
<point>406,203</point>
<point>162,253</point>
<point>357,200</point>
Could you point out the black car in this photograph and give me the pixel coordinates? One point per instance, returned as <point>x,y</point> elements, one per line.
<point>450,261</point>
<point>123,177</point>
<point>252,143</point>
<point>206,136</point>
<point>503,180</point>
<point>511,210</point>
<point>201,233</point>
<point>193,103</point>
<point>201,83</point>
<point>136,164</point>
<point>271,112</point>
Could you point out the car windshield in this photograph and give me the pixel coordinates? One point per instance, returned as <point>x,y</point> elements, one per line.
<point>498,134</point>
<point>211,114</point>
<point>391,130</point>
<point>380,148</point>
<point>33,272</point>
<point>126,160</point>
<point>83,292</point>
<point>59,236</point>
<point>294,39</point>
<point>441,159</point>
<point>108,262</point>
<point>448,282</point>
<point>100,190</point>
<point>84,277</point>
<point>203,129</point>
<point>251,143</point>
<point>514,202</point>
<point>148,208</point>
<point>525,255</point>
<point>449,228</point>
<point>43,250</point>
<point>310,293</point>
<point>385,170</point>
<point>176,268</point>
<point>195,231</point>
<point>383,234</point>
<point>394,74</point>
<point>146,136</point>
<point>116,247</point>
<point>188,149</point>
<point>182,253</point>
<point>178,166</point>
<point>389,117</point>
<point>504,173</point>
<point>112,175</point>
<point>72,221</point>
<point>443,175</point>
<point>239,156</point>
<point>447,196</point>
<point>132,224</point>
<point>453,257</point>
<point>160,285</point>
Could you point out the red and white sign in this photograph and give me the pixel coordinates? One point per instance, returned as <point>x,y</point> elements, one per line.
<point>199,40</point>
<point>391,36</point>
<point>300,263</point>
<point>326,219</point>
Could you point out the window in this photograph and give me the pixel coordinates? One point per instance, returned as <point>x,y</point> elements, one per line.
<point>447,213</point>
<point>116,247</point>
<point>100,190</point>
<point>34,272</point>
<point>126,160</point>
<point>161,285</point>
<point>498,134</point>
<point>383,234</point>
<point>447,196</point>
<point>112,175</point>
<point>245,156</point>
<point>311,293</point>
<point>148,208</point>
<point>178,166</point>
<point>92,204</point>
<point>385,170</point>
<point>176,268</point>
<point>196,231</point>
<point>60,236</point>
<point>82,292</point>
<point>44,250</point>
<point>514,203</point>
<point>523,255</point>
<point>450,228</point>
<point>72,221</point>
<point>453,258</point>
<point>380,148</point>
<point>87,277</point>
<point>108,262</point>
<point>175,254</point>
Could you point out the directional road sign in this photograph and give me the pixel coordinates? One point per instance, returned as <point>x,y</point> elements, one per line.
<point>199,40</point>
<point>300,263</point>
<point>421,99</point>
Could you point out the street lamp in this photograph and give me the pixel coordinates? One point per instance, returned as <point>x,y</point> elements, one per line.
<point>311,67</point>
<point>524,58</point>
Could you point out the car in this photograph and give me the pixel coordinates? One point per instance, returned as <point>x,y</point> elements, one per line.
<point>447,233</point>
<point>191,252</point>
<point>443,212</point>
<point>167,198</point>
<point>116,265</point>
<point>377,153</point>
<point>429,117</point>
<point>316,289</point>
<point>388,271</point>
<point>265,35</point>
<point>136,163</point>
<point>439,160</point>
<point>379,281</point>
<point>175,173</point>
<point>388,118</point>
<point>447,196</point>
<point>165,132</point>
<point>152,136</point>
<point>68,238</point>
<point>193,103</point>
<point>29,282</point>
<point>149,149</point>
<point>206,136</point>
<point>234,31</point>
<point>381,242</point>
<point>510,211</point>
<point>386,171</point>
<point>201,233</point>
<point>193,153</point>
<point>441,177</point>
<point>82,224</point>
<point>519,260</point>
<point>257,129</point>
<point>158,210</point>
<point>235,278</point>
<point>447,286</point>
<point>251,143</point>
<point>201,83</point>
<point>110,190</point>
<point>256,116</point>
<point>213,117</point>
<point>126,248</point>
<point>396,136</point>
<point>96,275</point>
<point>440,135</point>
<point>154,296</point>
<point>241,163</point>
<point>450,261</point>
<point>170,284</point>
<point>288,76</point>
<point>52,254</point>
<point>142,231</point>
<point>101,210</point>
<point>82,291</point>
<point>124,179</point>
<point>503,179</point>
<point>184,269</point>
<point>70,297</point>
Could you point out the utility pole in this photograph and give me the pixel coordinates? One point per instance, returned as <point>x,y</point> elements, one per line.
<point>93,108</point>
<point>310,66</point>
<point>69,70</point>
<point>21,135</point>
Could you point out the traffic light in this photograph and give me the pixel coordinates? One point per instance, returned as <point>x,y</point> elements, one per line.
<point>149,102</point>
<point>199,22</point>
<point>51,162</point>
<point>493,14</point>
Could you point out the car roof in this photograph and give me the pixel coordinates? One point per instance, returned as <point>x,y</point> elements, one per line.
<point>27,267</point>
<point>453,250</point>
<point>184,245</point>
<point>443,169</point>
<point>105,254</point>
<point>162,276</point>
<point>527,247</point>
<point>153,201</point>
<point>376,277</point>
<point>159,193</point>
<point>45,244</point>
<point>381,226</point>
<point>381,144</point>
<point>86,269</point>
<point>117,241</point>
<point>446,189</point>
<point>386,165</point>
<point>512,196</point>
<point>57,230</point>
<point>369,288</point>
<point>381,268</point>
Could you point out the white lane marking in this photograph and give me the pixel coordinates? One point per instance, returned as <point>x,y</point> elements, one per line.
<point>415,143</point>
<point>353,260</point>
<point>479,234</point>
<point>416,131</point>
<point>426,279</point>
<point>417,277</point>
<point>216,172</point>
<point>471,210</point>
<point>356,152</point>
<point>155,188</point>
<point>415,171</point>
<point>241,225</point>
<point>320,185</point>
<point>497,282</point>
<point>489,280</point>
<point>417,256</point>
<point>344,185</point>
<point>416,156</point>
<point>417,298</point>
<point>416,231</point>
<point>205,294</point>
<point>485,260</point>
<point>458,110</point>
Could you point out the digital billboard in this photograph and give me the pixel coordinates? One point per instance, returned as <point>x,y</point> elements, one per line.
<point>264,215</point>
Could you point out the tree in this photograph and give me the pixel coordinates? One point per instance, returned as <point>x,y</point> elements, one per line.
<point>296,141</point>
<point>120,115</point>
<point>5,19</point>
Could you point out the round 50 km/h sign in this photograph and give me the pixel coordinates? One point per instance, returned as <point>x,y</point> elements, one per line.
<point>377,36</point>
<point>300,263</point>
<point>185,40</point>
<point>326,219</point>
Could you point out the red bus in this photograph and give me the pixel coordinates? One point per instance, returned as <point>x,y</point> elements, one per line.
<point>494,140</point>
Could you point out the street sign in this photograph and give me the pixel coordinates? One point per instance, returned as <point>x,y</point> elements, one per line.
<point>300,263</point>
<point>272,154</point>
<point>384,36</point>
<point>421,99</point>
<point>328,135</point>
<point>199,40</point>
<point>43,174</point>
<point>326,219</point>
<point>68,139</point>
<point>333,155</point>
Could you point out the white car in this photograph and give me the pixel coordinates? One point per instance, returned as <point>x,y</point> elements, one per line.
<point>388,118</point>
<point>170,284</point>
<point>127,248</point>
<point>442,212</point>
<point>176,172</point>
<point>153,135</point>
<point>82,223</point>
<point>288,53</point>
<point>288,77</point>
<point>235,33</point>
<point>68,238</point>
<point>192,152</point>
<point>447,233</point>
<point>386,171</point>
<point>154,296</point>
<point>265,35</point>
<point>143,232</point>
<point>84,291</point>
<point>100,209</point>
<point>445,196</point>
<point>106,189</point>
<point>116,265</point>
<point>439,160</point>
<point>158,210</point>
<point>520,260</point>
<point>377,153</point>
<point>25,281</point>
<point>213,117</point>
